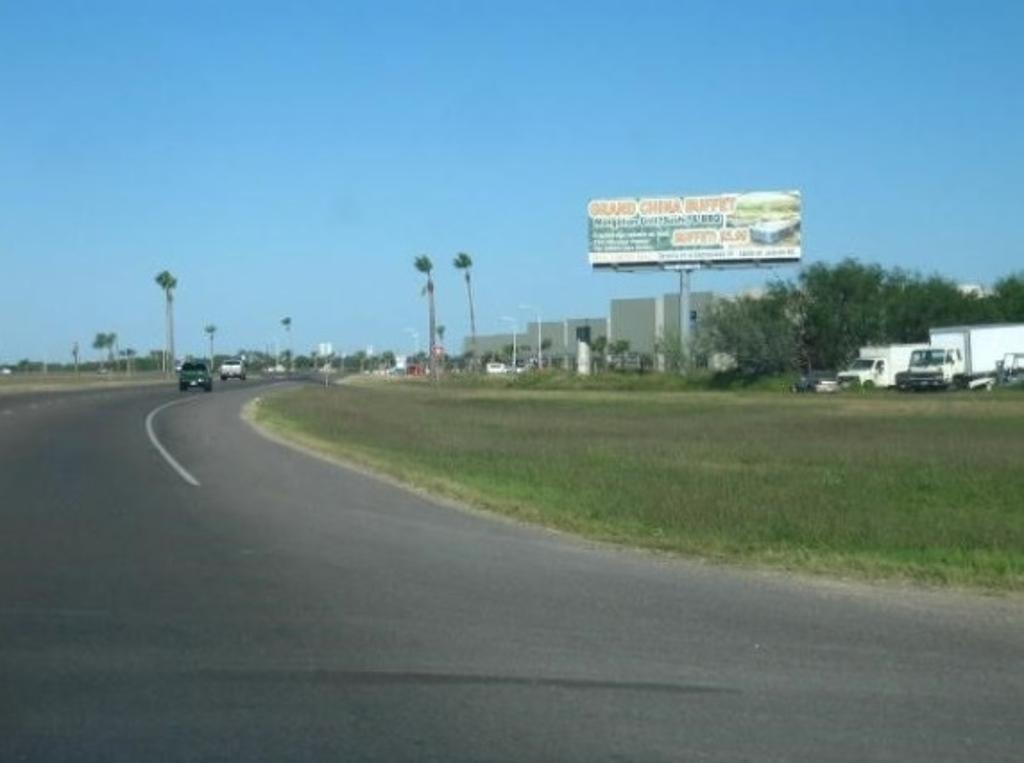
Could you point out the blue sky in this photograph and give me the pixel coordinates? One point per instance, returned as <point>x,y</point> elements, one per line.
<point>293,158</point>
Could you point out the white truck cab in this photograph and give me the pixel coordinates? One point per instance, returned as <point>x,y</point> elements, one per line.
<point>934,368</point>
<point>877,366</point>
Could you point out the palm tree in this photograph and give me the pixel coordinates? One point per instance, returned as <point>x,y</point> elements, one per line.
<point>287,323</point>
<point>100,343</point>
<point>105,341</point>
<point>425,266</point>
<point>211,330</point>
<point>168,283</point>
<point>464,263</point>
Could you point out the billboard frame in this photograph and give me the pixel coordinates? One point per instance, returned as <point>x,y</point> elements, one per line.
<point>685,267</point>
<point>727,207</point>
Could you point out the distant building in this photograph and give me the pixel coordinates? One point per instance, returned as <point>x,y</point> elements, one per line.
<point>558,338</point>
<point>488,344</point>
<point>644,321</point>
<point>972,290</point>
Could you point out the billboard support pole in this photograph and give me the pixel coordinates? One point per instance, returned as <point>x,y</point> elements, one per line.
<point>684,320</point>
<point>685,355</point>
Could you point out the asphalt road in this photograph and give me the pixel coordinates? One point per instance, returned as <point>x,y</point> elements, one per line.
<point>288,609</point>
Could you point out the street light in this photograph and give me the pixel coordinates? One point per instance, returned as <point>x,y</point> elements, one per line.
<point>540,351</point>
<point>515,327</point>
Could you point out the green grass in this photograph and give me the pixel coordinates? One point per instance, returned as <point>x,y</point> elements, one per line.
<point>624,382</point>
<point>922,487</point>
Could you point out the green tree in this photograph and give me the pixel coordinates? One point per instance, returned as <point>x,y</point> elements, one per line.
<point>760,333</point>
<point>425,266</point>
<point>910,305</point>
<point>1008,298</point>
<point>840,310</point>
<point>168,283</point>
<point>105,341</point>
<point>464,263</point>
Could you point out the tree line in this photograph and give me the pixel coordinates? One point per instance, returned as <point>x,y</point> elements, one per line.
<point>820,319</point>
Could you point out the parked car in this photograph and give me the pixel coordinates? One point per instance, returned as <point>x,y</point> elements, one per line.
<point>496,368</point>
<point>816,381</point>
<point>194,374</point>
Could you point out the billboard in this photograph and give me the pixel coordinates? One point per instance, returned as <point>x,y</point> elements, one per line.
<point>759,227</point>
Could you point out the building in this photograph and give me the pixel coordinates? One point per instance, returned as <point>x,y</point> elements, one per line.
<point>644,321</point>
<point>488,344</point>
<point>558,340</point>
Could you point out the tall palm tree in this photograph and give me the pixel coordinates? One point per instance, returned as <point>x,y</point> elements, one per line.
<point>464,263</point>
<point>425,266</point>
<point>211,330</point>
<point>168,283</point>
<point>287,323</point>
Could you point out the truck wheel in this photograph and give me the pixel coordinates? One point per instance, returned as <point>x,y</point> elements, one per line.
<point>868,384</point>
<point>183,387</point>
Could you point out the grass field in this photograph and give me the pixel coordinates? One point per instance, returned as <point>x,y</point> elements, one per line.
<point>922,487</point>
<point>35,382</point>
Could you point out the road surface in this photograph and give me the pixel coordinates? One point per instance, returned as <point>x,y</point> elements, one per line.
<point>283,608</point>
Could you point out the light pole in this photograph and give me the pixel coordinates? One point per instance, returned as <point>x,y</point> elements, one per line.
<point>515,327</point>
<point>540,350</point>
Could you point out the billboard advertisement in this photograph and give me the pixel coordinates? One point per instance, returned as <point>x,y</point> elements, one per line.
<point>758,227</point>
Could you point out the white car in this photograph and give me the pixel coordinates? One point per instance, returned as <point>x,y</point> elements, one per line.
<point>496,368</point>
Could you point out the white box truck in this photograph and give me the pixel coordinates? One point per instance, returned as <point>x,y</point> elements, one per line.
<point>877,366</point>
<point>963,356</point>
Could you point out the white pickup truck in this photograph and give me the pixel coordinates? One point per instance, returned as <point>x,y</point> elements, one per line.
<point>232,368</point>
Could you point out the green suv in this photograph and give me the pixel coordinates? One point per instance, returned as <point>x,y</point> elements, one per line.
<point>194,374</point>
